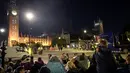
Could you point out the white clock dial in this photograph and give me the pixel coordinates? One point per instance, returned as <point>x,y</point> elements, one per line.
<point>14,12</point>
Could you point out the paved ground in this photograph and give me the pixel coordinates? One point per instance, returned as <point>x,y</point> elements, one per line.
<point>58,53</point>
<point>69,51</point>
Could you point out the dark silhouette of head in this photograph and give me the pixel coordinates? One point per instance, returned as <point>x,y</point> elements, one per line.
<point>20,69</point>
<point>83,54</point>
<point>39,59</point>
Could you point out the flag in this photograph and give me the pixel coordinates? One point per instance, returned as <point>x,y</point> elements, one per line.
<point>108,37</point>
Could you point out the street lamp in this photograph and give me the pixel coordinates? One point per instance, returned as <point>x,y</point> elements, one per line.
<point>59,38</point>
<point>85,31</point>
<point>2,30</point>
<point>29,16</point>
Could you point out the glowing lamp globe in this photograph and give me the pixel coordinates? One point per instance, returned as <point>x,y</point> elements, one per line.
<point>29,16</point>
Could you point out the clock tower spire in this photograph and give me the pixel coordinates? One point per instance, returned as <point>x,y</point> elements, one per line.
<point>13,21</point>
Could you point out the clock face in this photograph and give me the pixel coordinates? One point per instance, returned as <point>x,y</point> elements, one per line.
<point>14,12</point>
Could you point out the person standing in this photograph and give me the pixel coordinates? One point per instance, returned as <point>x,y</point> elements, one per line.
<point>105,62</point>
<point>61,48</point>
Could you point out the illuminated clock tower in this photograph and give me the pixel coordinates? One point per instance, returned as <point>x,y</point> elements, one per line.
<point>13,21</point>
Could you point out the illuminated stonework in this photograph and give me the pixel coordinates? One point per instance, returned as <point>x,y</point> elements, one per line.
<point>13,37</point>
<point>44,41</point>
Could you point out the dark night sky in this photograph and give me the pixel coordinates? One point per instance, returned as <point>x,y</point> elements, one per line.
<point>72,15</point>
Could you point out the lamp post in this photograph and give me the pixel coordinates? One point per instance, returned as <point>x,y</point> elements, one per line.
<point>59,38</point>
<point>2,30</point>
<point>2,33</point>
<point>3,47</point>
<point>85,31</point>
<point>30,16</point>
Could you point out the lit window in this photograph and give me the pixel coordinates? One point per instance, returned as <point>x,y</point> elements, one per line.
<point>14,21</point>
<point>13,27</point>
<point>13,33</point>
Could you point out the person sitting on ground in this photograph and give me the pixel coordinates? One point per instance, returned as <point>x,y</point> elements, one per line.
<point>20,69</point>
<point>55,65</point>
<point>10,60</point>
<point>49,56</point>
<point>128,63</point>
<point>10,68</point>
<point>1,70</point>
<point>32,60</point>
<point>128,59</point>
<point>72,66</point>
<point>18,63</point>
<point>84,61</point>
<point>76,56</point>
<point>40,60</point>
<point>126,67</point>
<point>44,69</point>
<point>39,63</point>
<point>36,67</point>
<point>68,58</point>
<point>26,63</point>
<point>64,58</point>
<point>119,58</point>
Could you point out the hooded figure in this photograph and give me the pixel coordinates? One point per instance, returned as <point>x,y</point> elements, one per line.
<point>26,63</point>
<point>105,62</point>
<point>35,67</point>
<point>20,69</point>
<point>10,68</point>
<point>83,60</point>
<point>44,69</point>
<point>55,65</point>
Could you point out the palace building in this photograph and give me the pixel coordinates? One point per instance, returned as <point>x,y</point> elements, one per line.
<point>14,37</point>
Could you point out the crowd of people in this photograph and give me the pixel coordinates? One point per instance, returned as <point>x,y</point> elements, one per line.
<point>102,61</point>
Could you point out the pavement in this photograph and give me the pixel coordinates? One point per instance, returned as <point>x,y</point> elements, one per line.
<point>58,53</point>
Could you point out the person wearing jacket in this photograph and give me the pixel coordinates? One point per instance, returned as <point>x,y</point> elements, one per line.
<point>105,62</point>
<point>83,60</point>
<point>126,67</point>
<point>44,69</point>
<point>20,69</point>
<point>55,65</point>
